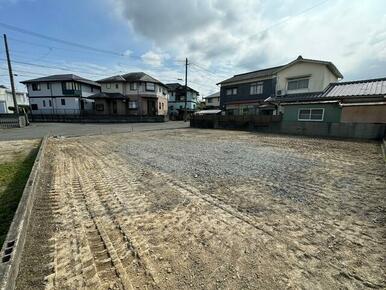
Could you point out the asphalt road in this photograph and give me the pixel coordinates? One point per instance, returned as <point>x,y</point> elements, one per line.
<point>39,130</point>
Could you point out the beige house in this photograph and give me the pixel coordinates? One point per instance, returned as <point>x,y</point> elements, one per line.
<point>245,94</point>
<point>212,101</point>
<point>134,93</point>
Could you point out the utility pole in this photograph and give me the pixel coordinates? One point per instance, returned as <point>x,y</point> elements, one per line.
<point>186,90</point>
<point>11,75</point>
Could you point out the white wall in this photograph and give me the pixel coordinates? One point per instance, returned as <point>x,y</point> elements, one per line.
<point>6,100</point>
<point>320,77</point>
<point>55,89</point>
<point>86,90</point>
<point>71,105</point>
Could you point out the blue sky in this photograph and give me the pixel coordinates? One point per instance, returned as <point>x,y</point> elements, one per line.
<point>220,37</point>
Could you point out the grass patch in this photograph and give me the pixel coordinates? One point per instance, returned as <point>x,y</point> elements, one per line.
<point>13,177</point>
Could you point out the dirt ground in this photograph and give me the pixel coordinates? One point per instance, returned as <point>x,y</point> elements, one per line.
<point>10,150</point>
<point>207,209</point>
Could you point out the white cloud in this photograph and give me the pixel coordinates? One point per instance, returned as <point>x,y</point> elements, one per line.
<point>154,58</point>
<point>231,36</point>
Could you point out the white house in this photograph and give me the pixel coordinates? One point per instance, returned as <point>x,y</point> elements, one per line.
<point>177,99</point>
<point>6,99</point>
<point>61,94</point>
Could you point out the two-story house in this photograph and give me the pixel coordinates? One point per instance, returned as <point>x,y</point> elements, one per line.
<point>212,101</point>
<point>177,99</point>
<point>6,100</point>
<point>135,93</point>
<point>246,93</point>
<point>61,94</point>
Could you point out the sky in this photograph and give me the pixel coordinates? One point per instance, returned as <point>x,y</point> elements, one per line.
<point>220,38</point>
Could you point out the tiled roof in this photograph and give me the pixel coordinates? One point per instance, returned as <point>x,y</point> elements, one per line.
<point>131,77</point>
<point>371,87</point>
<point>254,74</point>
<point>173,86</point>
<point>60,78</point>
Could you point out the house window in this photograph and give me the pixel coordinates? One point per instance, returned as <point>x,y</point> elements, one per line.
<point>48,86</point>
<point>133,105</point>
<point>100,107</point>
<point>63,102</point>
<point>210,100</point>
<point>117,86</point>
<point>163,106</point>
<point>92,89</point>
<point>34,107</point>
<point>256,88</point>
<point>133,86</point>
<point>231,92</point>
<point>159,106</point>
<point>44,103</point>
<point>108,86</point>
<point>311,115</point>
<point>50,103</point>
<point>35,86</point>
<point>150,87</point>
<point>298,84</point>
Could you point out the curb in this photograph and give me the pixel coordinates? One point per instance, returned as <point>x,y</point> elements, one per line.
<point>383,148</point>
<point>14,243</point>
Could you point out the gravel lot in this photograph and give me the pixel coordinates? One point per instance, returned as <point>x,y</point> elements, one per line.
<point>207,209</point>
<point>39,130</point>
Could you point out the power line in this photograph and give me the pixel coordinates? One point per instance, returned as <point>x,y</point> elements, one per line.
<point>66,49</point>
<point>35,34</point>
<point>63,68</point>
<point>289,18</point>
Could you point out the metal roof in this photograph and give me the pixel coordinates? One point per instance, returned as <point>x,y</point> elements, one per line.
<point>208,112</point>
<point>60,78</point>
<point>371,87</point>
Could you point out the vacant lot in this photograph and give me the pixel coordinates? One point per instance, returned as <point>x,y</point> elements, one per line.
<point>16,160</point>
<point>207,209</point>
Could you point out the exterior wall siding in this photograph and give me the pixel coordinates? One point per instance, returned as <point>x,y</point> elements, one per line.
<point>243,92</point>
<point>332,112</point>
<point>364,114</point>
<point>72,105</point>
<point>215,102</point>
<point>320,77</point>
